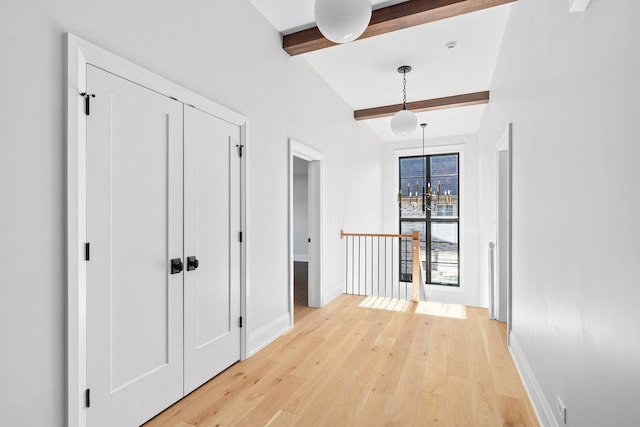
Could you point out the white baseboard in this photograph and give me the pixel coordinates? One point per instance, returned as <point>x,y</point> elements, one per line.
<point>544,410</point>
<point>301,257</point>
<point>265,335</point>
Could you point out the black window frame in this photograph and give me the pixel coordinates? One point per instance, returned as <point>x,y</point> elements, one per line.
<point>428,220</point>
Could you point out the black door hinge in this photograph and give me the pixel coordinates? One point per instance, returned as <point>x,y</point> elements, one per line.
<point>241,321</point>
<point>240,236</point>
<point>87,251</point>
<point>87,102</point>
<point>87,398</point>
<point>240,146</point>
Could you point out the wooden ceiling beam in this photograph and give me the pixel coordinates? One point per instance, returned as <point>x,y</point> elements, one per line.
<point>391,18</point>
<point>424,105</point>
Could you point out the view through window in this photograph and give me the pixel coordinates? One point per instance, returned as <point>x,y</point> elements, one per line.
<point>434,179</point>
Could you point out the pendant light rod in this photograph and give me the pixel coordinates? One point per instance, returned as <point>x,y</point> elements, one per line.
<point>424,170</point>
<point>404,69</point>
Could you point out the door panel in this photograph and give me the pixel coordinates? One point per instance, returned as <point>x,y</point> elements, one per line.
<point>212,212</point>
<point>134,225</point>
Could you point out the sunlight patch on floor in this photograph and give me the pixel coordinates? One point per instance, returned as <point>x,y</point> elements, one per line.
<point>440,309</point>
<point>382,303</point>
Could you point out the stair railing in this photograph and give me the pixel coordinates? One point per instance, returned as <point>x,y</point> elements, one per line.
<point>373,266</point>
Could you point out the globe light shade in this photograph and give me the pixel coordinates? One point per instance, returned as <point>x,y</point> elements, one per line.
<point>342,21</point>
<point>404,122</point>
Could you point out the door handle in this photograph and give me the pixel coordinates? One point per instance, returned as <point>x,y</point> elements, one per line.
<point>176,265</point>
<point>192,263</point>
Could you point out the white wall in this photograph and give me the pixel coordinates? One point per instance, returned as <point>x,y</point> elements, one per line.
<point>300,210</point>
<point>225,51</point>
<point>472,291</point>
<point>569,83</point>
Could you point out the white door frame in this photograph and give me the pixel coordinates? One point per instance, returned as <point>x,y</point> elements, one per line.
<point>315,159</point>
<point>80,53</point>
<point>504,156</point>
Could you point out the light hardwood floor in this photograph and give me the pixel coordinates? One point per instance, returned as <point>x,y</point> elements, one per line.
<point>365,362</point>
<point>300,290</point>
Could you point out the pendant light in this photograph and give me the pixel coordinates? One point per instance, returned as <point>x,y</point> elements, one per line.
<point>404,122</point>
<point>342,21</point>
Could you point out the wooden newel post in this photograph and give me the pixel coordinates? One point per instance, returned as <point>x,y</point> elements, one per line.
<point>416,267</point>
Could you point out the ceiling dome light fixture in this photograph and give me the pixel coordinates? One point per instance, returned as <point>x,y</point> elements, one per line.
<point>451,45</point>
<point>404,122</point>
<point>342,21</point>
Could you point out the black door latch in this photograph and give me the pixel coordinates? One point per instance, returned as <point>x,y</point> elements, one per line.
<point>192,263</point>
<point>176,266</point>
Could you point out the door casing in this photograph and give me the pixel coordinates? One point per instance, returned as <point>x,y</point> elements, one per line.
<point>504,192</point>
<point>81,53</point>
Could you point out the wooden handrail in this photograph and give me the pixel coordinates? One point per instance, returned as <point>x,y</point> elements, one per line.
<point>401,236</point>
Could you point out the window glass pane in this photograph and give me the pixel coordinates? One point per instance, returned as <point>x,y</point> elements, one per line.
<point>412,185</point>
<point>444,253</point>
<point>444,165</point>
<point>444,185</point>
<point>406,248</point>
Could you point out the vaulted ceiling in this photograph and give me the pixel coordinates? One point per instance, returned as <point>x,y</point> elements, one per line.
<point>364,72</point>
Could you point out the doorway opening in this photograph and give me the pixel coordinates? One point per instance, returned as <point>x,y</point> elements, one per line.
<point>301,237</point>
<point>305,228</point>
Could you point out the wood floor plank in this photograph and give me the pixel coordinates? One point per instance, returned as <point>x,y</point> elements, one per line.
<point>514,411</point>
<point>321,373</point>
<point>402,410</point>
<point>273,383</point>
<point>284,419</point>
<point>500,362</point>
<point>374,410</point>
<point>457,358</point>
<point>420,346</point>
<point>430,410</point>
<point>369,367</point>
<point>351,405</point>
<point>484,404</point>
<point>209,399</point>
<point>360,362</point>
<point>395,361</point>
<point>457,406</point>
<point>329,399</point>
<point>272,398</point>
<point>435,375</point>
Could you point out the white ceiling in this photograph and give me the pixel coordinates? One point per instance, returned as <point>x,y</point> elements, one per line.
<point>364,72</point>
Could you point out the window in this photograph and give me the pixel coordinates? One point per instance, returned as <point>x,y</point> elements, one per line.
<point>438,225</point>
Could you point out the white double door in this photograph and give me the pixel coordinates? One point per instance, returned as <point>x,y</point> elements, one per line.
<point>162,192</point>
